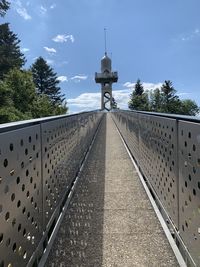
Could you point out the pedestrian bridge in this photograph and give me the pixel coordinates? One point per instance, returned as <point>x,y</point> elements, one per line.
<point>100,189</point>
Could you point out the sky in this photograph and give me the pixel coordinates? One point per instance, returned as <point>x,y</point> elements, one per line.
<point>153,40</point>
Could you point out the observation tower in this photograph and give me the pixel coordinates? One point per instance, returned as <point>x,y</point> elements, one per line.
<point>106,78</point>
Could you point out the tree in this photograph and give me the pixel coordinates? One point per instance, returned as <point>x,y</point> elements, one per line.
<point>4,6</point>
<point>189,107</point>
<point>138,98</point>
<point>46,81</point>
<point>155,100</point>
<point>23,89</point>
<point>10,54</point>
<point>170,101</point>
<point>114,103</point>
<point>139,89</point>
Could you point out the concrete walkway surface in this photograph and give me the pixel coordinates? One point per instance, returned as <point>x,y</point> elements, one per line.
<point>110,220</point>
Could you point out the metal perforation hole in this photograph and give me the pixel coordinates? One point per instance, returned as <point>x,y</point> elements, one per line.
<point>31,180</point>
<point>13,197</point>
<point>5,163</point>
<point>194,192</point>
<point>22,165</point>
<point>189,177</point>
<point>18,203</point>
<point>11,147</point>
<point>18,180</point>
<point>185,144</point>
<point>24,232</point>
<point>23,187</point>
<point>1,238</point>
<point>28,215</point>
<point>19,227</point>
<point>190,199</point>
<point>14,247</point>
<point>194,148</point>
<point>26,151</point>
<point>185,183</point>
<point>25,255</point>
<point>29,139</point>
<point>27,172</point>
<point>28,194</point>
<point>189,135</point>
<point>199,185</point>
<point>24,210</point>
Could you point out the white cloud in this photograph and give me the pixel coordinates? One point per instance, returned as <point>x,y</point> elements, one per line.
<point>43,10</point>
<point>24,50</point>
<point>22,11</point>
<point>147,86</point>
<point>63,38</point>
<point>78,78</point>
<point>50,50</point>
<point>92,101</point>
<point>62,78</point>
<point>50,61</point>
<point>53,6</point>
<point>86,101</point>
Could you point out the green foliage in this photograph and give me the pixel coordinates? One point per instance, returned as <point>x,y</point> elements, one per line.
<point>10,114</point>
<point>46,82</point>
<point>138,98</point>
<point>189,107</point>
<point>162,100</point>
<point>23,89</point>
<point>139,90</point>
<point>10,54</point>
<point>42,107</point>
<point>4,6</point>
<point>170,101</point>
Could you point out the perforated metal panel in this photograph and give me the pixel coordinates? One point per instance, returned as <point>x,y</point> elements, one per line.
<point>158,159</point>
<point>33,185</point>
<point>20,195</point>
<point>65,142</point>
<point>189,186</point>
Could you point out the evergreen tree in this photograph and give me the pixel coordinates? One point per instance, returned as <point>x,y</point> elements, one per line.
<point>170,101</point>
<point>10,55</point>
<point>138,98</point>
<point>46,82</point>
<point>139,90</point>
<point>155,100</point>
<point>4,6</point>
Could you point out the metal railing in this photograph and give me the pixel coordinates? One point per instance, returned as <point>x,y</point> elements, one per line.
<point>167,151</point>
<point>39,162</point>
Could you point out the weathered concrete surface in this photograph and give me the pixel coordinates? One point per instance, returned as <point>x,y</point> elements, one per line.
<point>110,221</point>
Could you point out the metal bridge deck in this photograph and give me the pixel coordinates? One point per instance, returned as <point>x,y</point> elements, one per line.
<point>110,220</point>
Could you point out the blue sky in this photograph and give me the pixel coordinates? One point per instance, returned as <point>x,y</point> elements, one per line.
<point>154,40</point>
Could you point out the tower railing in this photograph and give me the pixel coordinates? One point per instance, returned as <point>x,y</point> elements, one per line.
<point>39,162</point>
<point>167,151</point>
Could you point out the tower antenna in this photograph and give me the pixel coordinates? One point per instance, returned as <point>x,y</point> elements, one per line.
<point>105,40</point>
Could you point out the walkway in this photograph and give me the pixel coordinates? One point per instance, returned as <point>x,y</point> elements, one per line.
<point>110,221</point>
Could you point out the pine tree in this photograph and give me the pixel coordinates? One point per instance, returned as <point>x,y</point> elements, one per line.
<point>138,98</point>
<point>46,82</point>
<point>4,6</point>
<point>10,55</point>
<point>170,101</point>
<point>139,90</point>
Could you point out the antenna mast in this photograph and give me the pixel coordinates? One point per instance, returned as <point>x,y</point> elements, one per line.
<point>105,41</point>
